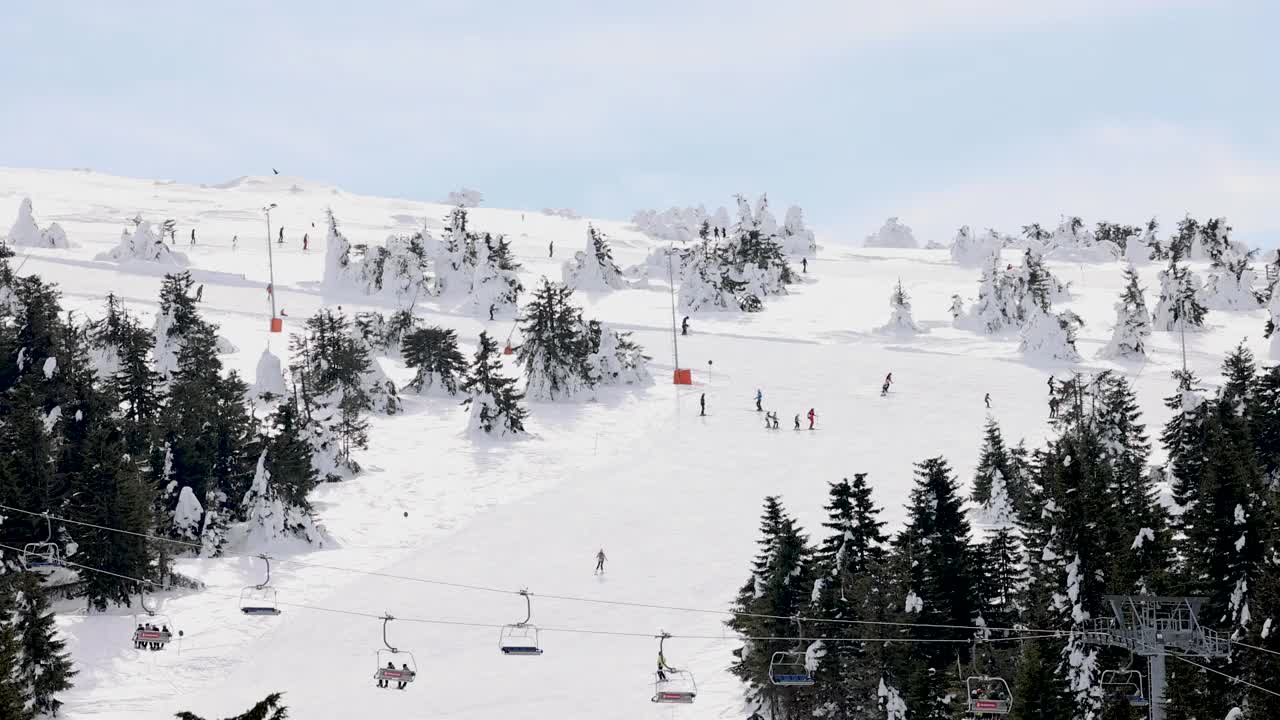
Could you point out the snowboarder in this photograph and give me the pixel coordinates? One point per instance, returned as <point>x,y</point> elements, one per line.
<point>804,264</point>
<point>702,405</point>
<point>193,236</point>
<point>306,239</point>
<point>200,293</point>
<point>684,325</point>
<point>987,399</point>
<point>551,249</point>
<point>600,558</point>
<point>812,416</point>
<point>235,240</point>
<point>759,399</point>
<point>281,240</point>
<point>797,421</point>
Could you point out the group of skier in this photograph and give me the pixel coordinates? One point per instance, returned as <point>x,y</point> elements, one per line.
<point>405,672</point>
<point>141,644</point>
<point>771,416</point>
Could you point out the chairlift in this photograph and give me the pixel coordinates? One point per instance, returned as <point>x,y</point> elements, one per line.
<point>988,695</point>
<point>260,599</point>
<point>42,555</point>
<point>1127,683</point>
<point>152,630</point>
<point>386,671</point>
<point>521,638</point>
<point>672,685</point>
<point>791,668</point>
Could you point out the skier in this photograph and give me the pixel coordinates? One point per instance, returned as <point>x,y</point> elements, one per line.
<point>200,292</point>
<point>600,558</point>
<point>235,240</point>
<point>702,405</point>
<point>663,667</point>
<point>1051,388</point>
<point>987,399</point>
<point>812,416</point>
<point>773,416</point>
<point>305,241</point>
<point>551,249</point>
<point>193,236</point>
<point>797,421</point>
<point>407,673</point>
<point>492,308</point>
<point>804,264</point>
<point>759,398</point>
<point>884,389</point>
<point>1053,408</point>
<point>888,379</point>
<point>684,325</point>
<point>281,240</point>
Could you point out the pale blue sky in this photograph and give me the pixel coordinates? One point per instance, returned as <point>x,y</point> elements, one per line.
<point>986,112</point>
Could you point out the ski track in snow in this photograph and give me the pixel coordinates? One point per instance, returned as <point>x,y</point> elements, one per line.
<point>671,497</point>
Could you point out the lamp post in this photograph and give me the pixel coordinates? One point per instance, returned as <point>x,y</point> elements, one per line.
<point>271,269</point>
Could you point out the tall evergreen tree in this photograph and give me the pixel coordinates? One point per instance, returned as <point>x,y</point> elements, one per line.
<point>556,345</point>
<point>46,665</point>
<point>433,354</point>
<point>492,398</point>
<point>1133,321</point>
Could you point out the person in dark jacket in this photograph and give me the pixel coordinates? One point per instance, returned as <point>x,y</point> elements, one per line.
<point>702,405</point>
<point>684,325</point>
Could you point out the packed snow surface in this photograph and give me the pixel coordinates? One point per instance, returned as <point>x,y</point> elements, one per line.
<point>671,497</point>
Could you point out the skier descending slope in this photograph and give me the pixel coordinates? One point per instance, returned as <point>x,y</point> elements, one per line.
<point>702,405</point>
<point>987,399</point>
<point>797,421</point>
<point>759,399</point>
<point>600,558</point>
<point>812,417</point>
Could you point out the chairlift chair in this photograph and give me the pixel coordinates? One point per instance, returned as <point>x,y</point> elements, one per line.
<point>145,621</point>
<point>391,660</point>
<point>260,599</point>
<point>791,668</point>
<point>988,695</point>
<point>521,638</point>
<point>1127,683</point>
<point>672,685</point>
<point>42,555</point>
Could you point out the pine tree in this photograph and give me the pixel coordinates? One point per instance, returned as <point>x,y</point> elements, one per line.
<point>992,458</point>
<point>1002,578</point>
<point>293,475</point>
<point>1115,233</point>
<point>594,268</point>
<point>270,708</point>
<point>433,354</point>
<point>15,692</point>
<point>1133,322</point>
<point>900,320</point>
<point>45,665</point>
<point>493,400</point>
<point>556,345</point>
<point>1179,307</point>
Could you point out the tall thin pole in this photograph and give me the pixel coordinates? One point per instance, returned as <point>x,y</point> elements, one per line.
<point>271,268</point>
<point>671,278</point>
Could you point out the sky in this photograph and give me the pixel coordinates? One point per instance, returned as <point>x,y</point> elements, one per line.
<point>990,113</point>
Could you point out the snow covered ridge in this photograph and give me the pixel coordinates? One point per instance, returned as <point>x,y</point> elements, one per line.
<point>685,225</point>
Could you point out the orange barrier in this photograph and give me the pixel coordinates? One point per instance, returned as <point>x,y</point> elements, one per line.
<point>277,324</point>
<point>683,376</point>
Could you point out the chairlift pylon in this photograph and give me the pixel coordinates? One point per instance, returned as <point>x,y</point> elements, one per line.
<point>260,599</point>
<point>42,555</point>
<point>521,638</point>
<point>671,685</point>
<point>385,671</point>
<point>791,668</point>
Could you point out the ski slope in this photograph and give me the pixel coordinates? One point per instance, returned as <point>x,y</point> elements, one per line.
<point>671,497</point>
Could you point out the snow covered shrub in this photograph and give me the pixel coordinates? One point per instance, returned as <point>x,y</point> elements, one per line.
<point>465,198</point>
<point>1231,283</point>
<point>1074,242</point>
<point>705,284</point>
<point>900,319</point>
<point>25,232</point>
<point>681,224</point>
<point>796,238</point>
<point>380,333</point>
<point>144,244</point>
<point>593,268</point>
<point>971,251</point>
<point>396,270</point>
<point>892,234</point>
<point>614,358</point>
<point>1133,322</point>
<point>432,353</point>
<point>271,518</point>
<point>1049,336</point>
<point>496,287</point>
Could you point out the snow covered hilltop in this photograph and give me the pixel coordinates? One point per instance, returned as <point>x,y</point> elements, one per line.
<point>467,401</point>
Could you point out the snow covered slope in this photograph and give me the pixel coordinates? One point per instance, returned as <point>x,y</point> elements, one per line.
<point>671,497</point>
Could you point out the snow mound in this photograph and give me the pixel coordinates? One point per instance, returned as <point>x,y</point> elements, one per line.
<point>25,232</point>
<point>143,244</point>
<point>269,377</point>
<point>972,251</point>
<point>892,234</point>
